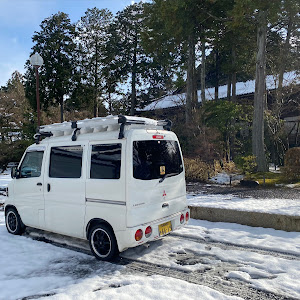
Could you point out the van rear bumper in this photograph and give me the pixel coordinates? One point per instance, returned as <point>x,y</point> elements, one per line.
<point>126,238</point>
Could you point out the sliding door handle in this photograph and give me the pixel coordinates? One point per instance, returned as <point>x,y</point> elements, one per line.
<point>48,187</point>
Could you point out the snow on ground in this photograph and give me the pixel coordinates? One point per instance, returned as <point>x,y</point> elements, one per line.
<point>138,287</point>
<point>265,272</point>
<point>30,268</point>
<point>262,238</point>
<point>224,178</point>
<point>289,207</point>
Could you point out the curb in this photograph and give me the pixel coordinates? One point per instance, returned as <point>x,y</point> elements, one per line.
<point>250,218</point>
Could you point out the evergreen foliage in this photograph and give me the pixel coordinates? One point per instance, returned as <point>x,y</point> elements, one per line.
<point>116,64</point>
<point>16,121</point>
<point>55,43</point>
<point>92,39</point>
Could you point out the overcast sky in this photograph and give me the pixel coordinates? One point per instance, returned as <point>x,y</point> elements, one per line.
<point>19,19</point>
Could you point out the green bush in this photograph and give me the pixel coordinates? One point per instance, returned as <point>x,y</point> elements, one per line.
<point>246,163</point>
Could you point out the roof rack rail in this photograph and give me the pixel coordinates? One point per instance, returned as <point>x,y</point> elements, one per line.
<point>100,124</point>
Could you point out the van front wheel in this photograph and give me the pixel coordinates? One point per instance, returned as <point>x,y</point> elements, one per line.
<point>13,222</point>
<point>103,242</point>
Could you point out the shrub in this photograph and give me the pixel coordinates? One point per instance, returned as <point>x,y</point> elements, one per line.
<point>291,169</point>
<point>229,167</point>
<point>197,170</point>
<point>247,163</point>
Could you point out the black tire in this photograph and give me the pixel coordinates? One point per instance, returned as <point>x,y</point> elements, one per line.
<point>103,243</point>
<point>13,222</point>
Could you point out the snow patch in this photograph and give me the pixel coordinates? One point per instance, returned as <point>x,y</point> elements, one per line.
<point>290,207</point>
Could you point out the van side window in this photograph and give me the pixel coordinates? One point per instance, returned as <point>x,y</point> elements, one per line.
<point>32,164</point>
<point>65,162</point>
<point>106,161</point>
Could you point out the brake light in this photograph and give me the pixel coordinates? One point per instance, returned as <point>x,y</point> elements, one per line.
<point>187,216</point>
<point>138,235</point>
<point>181,218</point>
<point>158,137</point>
<point>148,231</point>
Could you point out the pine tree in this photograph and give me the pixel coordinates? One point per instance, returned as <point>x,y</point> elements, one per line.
<point>187,22</point>
<point>128,59</point>
<point>263,13</point>
<point>93,37</point>
<point>55,43</point>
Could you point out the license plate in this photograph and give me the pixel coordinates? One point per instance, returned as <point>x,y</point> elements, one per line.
<point>165,228</point>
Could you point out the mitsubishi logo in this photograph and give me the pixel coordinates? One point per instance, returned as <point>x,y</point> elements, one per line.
<point>164,194</point>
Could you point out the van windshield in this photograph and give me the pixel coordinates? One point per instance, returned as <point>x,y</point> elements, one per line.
<point>156,159</point>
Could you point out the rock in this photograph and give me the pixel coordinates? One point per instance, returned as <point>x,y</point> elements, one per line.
<point>249,183</point>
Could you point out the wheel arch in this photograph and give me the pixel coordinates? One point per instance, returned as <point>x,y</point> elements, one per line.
<point>95,221</point>
<point>9,206</point>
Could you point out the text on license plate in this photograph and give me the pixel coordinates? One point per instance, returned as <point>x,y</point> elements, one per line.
<point>164,228</point>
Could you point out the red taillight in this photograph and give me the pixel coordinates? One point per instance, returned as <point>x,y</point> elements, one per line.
<point>187,216</point>
<point>138,235</point>
<point>158,137</point>
<point>148,231</point>
<point>181,218</point>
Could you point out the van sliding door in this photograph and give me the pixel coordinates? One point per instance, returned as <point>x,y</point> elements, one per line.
<point>105,185</point>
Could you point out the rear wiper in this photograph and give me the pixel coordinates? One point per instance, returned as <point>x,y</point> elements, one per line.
<point>167,175</point>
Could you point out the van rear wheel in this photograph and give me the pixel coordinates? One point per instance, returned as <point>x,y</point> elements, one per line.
<point>13,222</point>
<point>103,242</point>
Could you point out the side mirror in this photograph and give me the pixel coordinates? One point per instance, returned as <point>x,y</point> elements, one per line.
<point>15,173</point>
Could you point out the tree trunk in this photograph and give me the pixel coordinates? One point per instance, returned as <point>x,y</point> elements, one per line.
<point>233,78</point>
<point>133,81</point>
<point>283,55</point>
<point>133,93</point>
<point>217,75</point>
<point>191,87</point>
<point>203,71</point>
<point>258,148</point>
<point>228,87</point>
<point>61,102</point>
<point>96,83</point>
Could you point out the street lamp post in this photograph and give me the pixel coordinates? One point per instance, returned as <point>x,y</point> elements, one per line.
<point>36,60</point>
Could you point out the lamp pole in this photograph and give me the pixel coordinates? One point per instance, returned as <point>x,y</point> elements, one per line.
<point>36,60</point>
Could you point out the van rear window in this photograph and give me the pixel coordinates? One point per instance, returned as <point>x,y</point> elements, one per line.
<point>156,159</point>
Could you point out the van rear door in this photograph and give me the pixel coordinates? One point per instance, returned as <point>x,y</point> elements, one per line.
<point>156,186</point>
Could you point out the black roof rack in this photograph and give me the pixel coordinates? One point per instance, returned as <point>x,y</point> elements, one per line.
<point>167,124</point>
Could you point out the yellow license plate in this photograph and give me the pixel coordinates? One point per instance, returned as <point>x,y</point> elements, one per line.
<point>164,228</point>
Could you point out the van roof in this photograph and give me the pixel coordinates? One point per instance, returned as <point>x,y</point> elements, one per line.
<point>99,125</point>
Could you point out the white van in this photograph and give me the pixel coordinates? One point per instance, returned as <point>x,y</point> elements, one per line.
<point>117,181</point>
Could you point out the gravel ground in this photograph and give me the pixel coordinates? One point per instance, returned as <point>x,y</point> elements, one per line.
<point>243,192</point>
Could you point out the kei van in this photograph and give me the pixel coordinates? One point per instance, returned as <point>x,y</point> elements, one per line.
<point>117,181</point>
